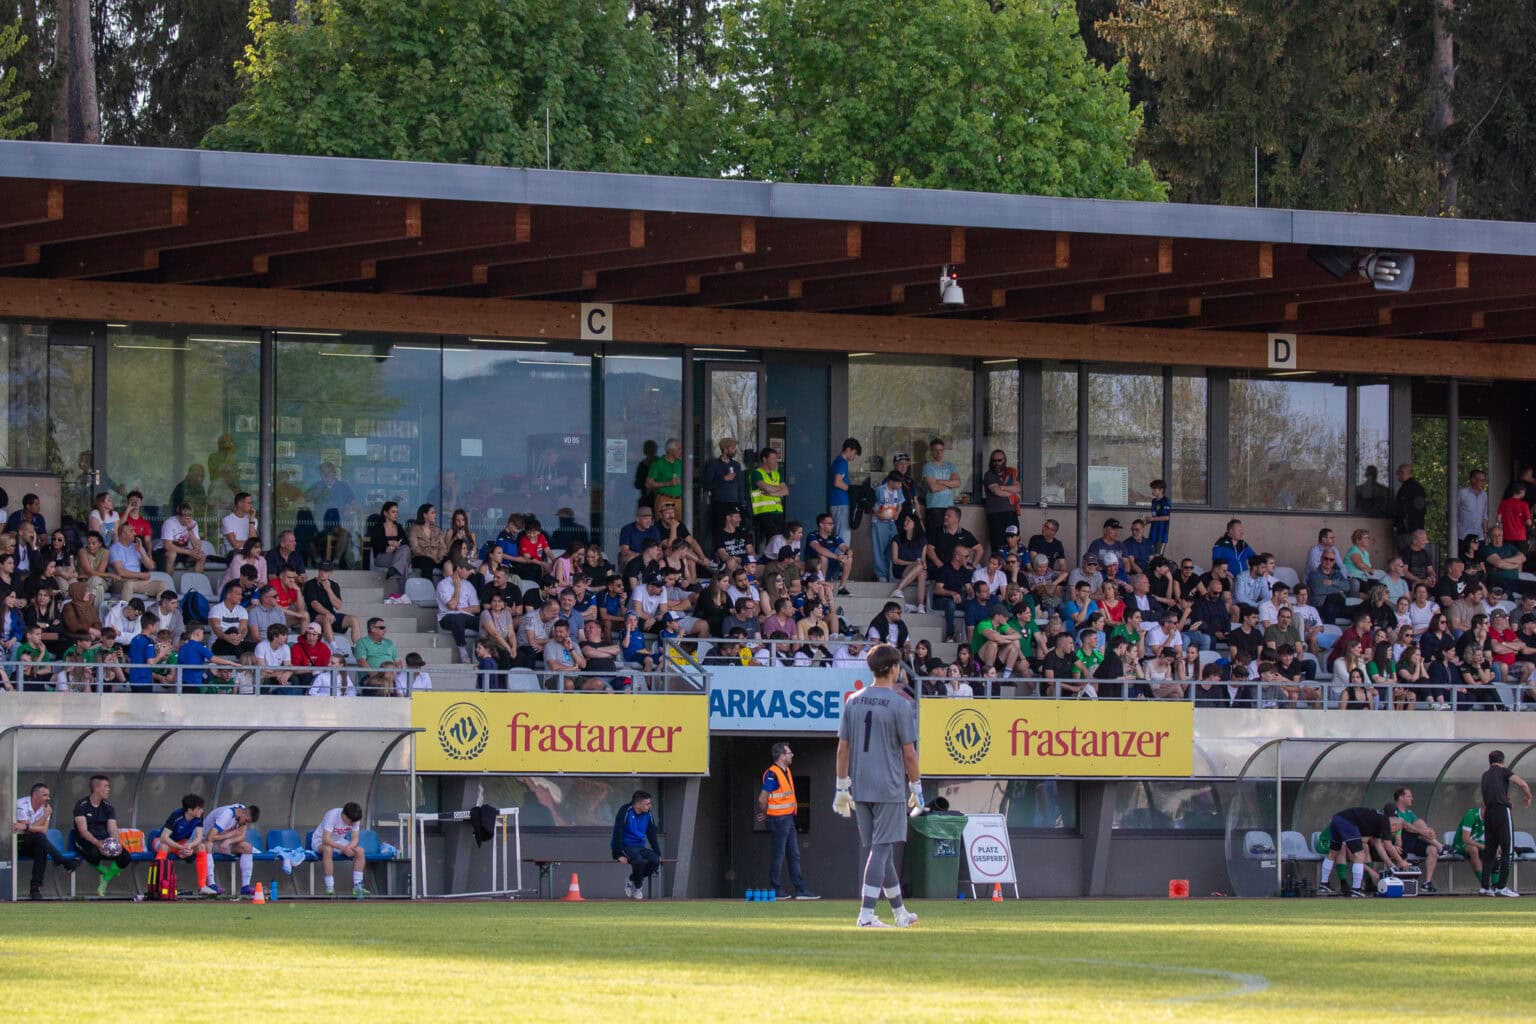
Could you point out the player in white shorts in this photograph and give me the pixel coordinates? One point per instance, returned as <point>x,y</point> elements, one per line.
<point>224,831</point>
<point>339,834</point>
<point>877,780</point>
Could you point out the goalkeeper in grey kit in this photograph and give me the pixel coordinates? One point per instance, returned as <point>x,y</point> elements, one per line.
<point>877,779</point>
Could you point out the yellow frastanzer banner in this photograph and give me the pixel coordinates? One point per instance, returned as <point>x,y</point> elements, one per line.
<point>548,733</point>
<point>1135,739</point>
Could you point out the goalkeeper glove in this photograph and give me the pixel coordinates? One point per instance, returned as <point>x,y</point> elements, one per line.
<point>914,797</point>
<point>842,803</point>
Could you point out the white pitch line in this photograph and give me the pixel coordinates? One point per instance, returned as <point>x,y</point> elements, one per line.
<point>1243,984</point>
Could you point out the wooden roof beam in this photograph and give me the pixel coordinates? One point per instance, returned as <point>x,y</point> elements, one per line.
<point>555,233</point>
<point>334,222</point>
<point>857,293</point>
<point>445,228</point>
<point>668,240</point>
<point>96,211</point>
<point>781,246</point>
<point>212,216</point>
<point>31,202</point>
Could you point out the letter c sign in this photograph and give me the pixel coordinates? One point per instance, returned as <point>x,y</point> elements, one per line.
<point>1282,351</point>
<point>596,321</point>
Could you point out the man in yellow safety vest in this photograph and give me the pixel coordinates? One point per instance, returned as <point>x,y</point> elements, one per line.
<point>768,494</point>
<point>776,805</point>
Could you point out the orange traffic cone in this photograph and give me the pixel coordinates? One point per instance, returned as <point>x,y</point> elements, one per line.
<point>573,894</point>
<point>1178,888</point>
<point>997,892</point>
<point>261,896</point>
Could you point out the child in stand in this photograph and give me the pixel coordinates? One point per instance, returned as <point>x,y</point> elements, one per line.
<point>1162,516</point>
<point>488,675</point>
<point>335,681</point>
<point>415,677</point>
<point>34,657</point>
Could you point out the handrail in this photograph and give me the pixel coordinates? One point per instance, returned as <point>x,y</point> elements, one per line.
<point>690,674</point>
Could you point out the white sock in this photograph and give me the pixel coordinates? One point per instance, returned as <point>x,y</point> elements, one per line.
<point>357,879</point>
<point>1323,871</point>
<point>1356,874</point>
<point>330,884</point>
<point>246,862</point>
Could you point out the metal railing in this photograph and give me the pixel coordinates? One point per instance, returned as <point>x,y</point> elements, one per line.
<point>680,669</point>
<point>336,681</point>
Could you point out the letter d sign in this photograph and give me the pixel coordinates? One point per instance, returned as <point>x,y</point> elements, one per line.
<point>1282,351</point>
<point>596,321</point>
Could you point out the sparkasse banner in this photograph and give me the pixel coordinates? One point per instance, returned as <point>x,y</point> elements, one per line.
<point>553,733</point>
<point>756,698</point>
<point>1029,738</point>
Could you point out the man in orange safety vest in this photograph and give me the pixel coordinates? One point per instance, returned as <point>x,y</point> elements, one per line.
<point>777,806</point>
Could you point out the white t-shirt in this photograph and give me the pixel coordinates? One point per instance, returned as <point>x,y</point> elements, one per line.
<point>27,814</point>
<point>273,657</point>
<point>238,525</point>
<point>996,581</point>
<point>184,536</point>
<point>1420,617</point>
<point>126,628</point>
<point>646,602</point>
<point>777,543</point>
<point>751,591</point>
<point>1306,617</point>
<point>332,826</point>
<point>227,619</point>
<point>221,818</point>
<point>409,682</point>
<point>329,684</point>
<point>445,593</point>
<point>1157,638</point>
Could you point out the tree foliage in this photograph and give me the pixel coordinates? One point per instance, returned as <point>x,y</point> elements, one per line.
<point>1333,96</point>
<point>928,93</point>
<point>1495,100</point>
<point>12,100</point>
<point>466,81</point>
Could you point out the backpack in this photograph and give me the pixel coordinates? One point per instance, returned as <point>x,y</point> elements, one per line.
<point>194,607</point>
<point>161,883</point>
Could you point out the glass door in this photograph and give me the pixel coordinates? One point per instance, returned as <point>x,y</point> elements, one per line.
<point>733,408</point>
<point>76,391</point>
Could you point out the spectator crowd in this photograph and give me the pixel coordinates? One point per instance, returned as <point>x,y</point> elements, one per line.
<point>1127,619</point>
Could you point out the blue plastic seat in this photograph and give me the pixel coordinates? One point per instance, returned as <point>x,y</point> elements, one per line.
<point>67,848</point>
<point>148,853</point>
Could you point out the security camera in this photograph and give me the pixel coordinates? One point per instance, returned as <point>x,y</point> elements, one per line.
<point>950,292</point>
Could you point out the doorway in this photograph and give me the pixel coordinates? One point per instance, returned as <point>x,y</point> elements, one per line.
<point>76,429</point>
<point>783,405</point>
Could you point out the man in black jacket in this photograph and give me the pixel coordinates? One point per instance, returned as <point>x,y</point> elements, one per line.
<point>1408,506</point>
<point>887,627</point>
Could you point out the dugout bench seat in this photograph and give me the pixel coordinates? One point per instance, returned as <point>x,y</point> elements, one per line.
<point>546,866</point>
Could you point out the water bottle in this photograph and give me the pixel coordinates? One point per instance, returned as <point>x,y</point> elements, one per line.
<point>773,895</point>
<point>272,894</point>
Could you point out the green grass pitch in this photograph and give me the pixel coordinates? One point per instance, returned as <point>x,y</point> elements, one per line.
<point>694,962</point>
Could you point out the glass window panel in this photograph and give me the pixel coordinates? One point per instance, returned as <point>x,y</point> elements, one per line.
<point>182,416</point>
<point>1000,417</point>
<point>1373,427</point>
<point>1191,439</point>
<point>733,409</point>
<point>1027,803</point>
<point>1058,434</point>
<point>900,403</point>
<point>495,461</point>
<point>24,390</point>
<point>1125,435</point>
<point>1191,804</point>
<point>356,425</point>
<point>1286,449</point>
<point>642,404</point>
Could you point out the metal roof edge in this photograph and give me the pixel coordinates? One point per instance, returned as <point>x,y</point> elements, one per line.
<point>736,197</point>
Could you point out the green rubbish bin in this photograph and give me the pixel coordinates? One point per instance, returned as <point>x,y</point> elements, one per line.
<point>934,843</point>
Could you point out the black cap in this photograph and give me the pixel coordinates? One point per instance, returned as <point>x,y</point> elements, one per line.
<point>733,510</point>
<point>1111,524</point>
<point>325,566</point>
<point>652,577</point>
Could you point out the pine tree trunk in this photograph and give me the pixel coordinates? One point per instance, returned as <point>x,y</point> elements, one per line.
<point>77,114</point>
<point>1442,86</point>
